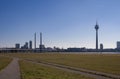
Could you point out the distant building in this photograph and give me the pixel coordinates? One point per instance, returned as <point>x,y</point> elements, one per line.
<point>17,46</point>
<point>30,44</point>
<point>101,46</point>
<point>76,49</point>
<point>26,45</point>
<point>49,49</point>
<point>118,44</point>
<point>42,47</point>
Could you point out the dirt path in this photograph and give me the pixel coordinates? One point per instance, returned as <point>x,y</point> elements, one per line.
<point>11,71</point>
<point>89,73</point>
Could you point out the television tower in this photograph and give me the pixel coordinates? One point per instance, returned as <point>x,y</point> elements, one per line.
<point>96,28</point>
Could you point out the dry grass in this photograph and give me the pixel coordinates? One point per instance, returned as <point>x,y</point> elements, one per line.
<point>109,63</point>
<point>4,61</point>
<point>34,71</point>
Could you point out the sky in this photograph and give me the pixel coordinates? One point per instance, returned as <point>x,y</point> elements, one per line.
<point>63,23</point>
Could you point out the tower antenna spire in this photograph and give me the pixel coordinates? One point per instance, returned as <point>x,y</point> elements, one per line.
<point>96,22</point>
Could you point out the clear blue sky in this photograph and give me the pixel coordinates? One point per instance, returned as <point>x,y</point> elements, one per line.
<point>64,23</point>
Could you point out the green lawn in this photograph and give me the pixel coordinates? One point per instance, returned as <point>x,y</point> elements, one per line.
<point>109,63</point>
<point>35,71</point>
<point>4,61</point>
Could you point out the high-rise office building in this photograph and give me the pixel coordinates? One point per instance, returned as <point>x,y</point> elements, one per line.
<point>26,45</point>
<point>101,46</point>
<point>17,46</point>
<point>30,44</point>
<point>118,44</point>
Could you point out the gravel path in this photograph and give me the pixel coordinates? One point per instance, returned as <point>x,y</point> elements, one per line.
<point>11,71</point>
<point>89,73</point>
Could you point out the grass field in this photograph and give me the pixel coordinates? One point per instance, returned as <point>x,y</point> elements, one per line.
<point>109,63</point>
<point>4,61</point>
<point>34,71</point>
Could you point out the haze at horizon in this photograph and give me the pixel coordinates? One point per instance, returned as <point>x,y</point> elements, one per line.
<point>64,23</point>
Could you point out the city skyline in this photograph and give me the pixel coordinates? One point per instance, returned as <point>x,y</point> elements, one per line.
<point>64,23</point>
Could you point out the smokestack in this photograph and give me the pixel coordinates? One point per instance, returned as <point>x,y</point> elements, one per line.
<point>41,42</point>
<point>35,40</point>
<point>41,39</point>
